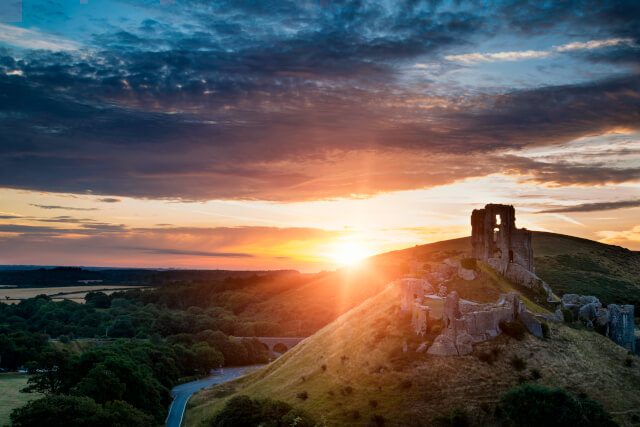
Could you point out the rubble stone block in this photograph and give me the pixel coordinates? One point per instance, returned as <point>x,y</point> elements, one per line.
<point>443,346</point>
<point>533,325</point>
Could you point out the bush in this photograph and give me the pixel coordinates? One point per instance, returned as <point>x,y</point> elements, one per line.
<point>406,384</point>
<point>244,411</point>
<point>567,315</point>
<point>518,363</point>
<point>546,332</point>
<point>515,329</point>
<point>64,339</point>
<point>468,263</point>
<point>355,414</point>
<point>303,395</point>
<point>373,403</point>
<point>532,405</point>
<point>378,420</point>
<point>628,362</point>
<point>455,418</point>
<point>324,367</point>
<point>535,374</point>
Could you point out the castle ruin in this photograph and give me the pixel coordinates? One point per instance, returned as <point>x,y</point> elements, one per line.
<point>496,242</point>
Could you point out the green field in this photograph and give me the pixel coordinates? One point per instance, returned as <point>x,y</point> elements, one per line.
<point>10,386</point>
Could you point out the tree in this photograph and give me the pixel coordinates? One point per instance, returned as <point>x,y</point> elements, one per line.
<point>58,411</point>
<point>97,299</point>
<point>207,358</point>
<point>122,327</point>
<point>63,411</point>
<point>532,405</point>
<point>49,373</point>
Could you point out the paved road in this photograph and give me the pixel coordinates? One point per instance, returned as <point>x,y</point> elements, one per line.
<point>183,392</point>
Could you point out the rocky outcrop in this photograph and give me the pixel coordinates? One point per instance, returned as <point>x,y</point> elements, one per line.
<point>467,322</point>
<point>464,344</point>
<point>420,319</point>
<point>443,345</point>
<point>412,289</point>
<point>533,325</point>
<point>621,328</point>
<point>616,320</point>
<point>466,274</point>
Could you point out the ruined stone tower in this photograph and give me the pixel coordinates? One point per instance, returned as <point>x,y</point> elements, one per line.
<point>496,241</point>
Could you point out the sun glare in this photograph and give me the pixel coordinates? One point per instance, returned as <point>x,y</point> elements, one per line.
<point>349,253</point>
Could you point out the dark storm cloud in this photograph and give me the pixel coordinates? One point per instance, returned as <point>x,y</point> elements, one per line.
<point>595,207</point>
<point>264,100</point>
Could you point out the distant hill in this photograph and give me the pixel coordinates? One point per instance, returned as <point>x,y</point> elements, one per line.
<point>354,369</point>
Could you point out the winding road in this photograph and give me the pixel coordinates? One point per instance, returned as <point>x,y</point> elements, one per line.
<point>183,392</point>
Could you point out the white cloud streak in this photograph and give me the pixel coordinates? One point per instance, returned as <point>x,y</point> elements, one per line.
<point>477,57</point>
<point>31,39</point>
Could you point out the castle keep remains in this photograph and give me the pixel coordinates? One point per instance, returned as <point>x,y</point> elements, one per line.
<point>496,242</point>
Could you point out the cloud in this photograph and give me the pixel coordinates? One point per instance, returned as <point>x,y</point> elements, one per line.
<point>237,247</point>
<point>167,251</point>
<point>474,58</point>
<point>31,39</point>
<point>594,44</point>
<point>68,208</point>
<point>595,207</point>
<point>109,200</point>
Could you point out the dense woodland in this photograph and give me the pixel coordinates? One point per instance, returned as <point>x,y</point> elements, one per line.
<point>143,342</point>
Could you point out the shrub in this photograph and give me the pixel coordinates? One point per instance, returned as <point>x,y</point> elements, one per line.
<point>303,395</point>
<point>355,414</point>
<point>455,418</point>
<point>468,263</point>
<point>406,384</point>
<point>535,374</point>
<point>378,420</point>
<point>518,363</point>
<point>546,332</point>
<point>567,315</point>
<point>515,329</point>
<point>488,356</point>
<point>532,405</point>
<point>347,390</point>
<point>64,339</point>
<point>628,362</point>
<point>324,367</point>
<point>373,403</point>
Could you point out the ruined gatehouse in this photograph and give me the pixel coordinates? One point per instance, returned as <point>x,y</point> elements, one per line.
<point>496,241</point>
<point>508,250</point>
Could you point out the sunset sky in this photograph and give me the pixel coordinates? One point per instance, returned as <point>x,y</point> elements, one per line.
<point>302,134</point>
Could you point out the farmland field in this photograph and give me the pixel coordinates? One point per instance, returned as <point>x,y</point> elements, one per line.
<point>10,386</point>
<point>14,295</point>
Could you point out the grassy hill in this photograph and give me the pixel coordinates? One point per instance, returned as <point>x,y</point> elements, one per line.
<point>353,369</point>
<point>568,264</point>
<point>367,374</point>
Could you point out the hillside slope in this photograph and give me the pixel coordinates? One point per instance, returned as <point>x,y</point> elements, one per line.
<point>568,264</point>
<point>367,374</point>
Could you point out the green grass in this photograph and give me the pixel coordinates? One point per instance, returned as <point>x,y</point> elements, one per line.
<point>10,386</point>
<point>414,386</point>
<point>362,349</point>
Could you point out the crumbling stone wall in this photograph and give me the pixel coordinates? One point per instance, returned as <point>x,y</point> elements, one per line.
<point>467,323</point>
<point>616,320</point>
<point>494,236</point>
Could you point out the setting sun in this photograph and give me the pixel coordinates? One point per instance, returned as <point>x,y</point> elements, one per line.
<point>348,253</point>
